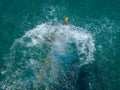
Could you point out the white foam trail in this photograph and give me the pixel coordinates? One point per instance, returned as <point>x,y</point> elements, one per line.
<point>47,55</point>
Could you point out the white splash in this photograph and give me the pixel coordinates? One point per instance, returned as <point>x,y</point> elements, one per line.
<point>47,55</point>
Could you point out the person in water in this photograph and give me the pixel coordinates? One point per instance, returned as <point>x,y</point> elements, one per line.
<point>66,20</point>
<point>55,52</point>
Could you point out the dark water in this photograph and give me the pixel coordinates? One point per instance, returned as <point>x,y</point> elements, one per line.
<point>99,17</point>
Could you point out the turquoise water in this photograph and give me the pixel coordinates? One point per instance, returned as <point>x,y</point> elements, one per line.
<point>85,57</point>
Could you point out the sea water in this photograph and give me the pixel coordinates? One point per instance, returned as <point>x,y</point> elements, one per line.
<point>39,52</point>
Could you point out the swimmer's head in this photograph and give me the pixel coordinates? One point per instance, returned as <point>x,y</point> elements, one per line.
<point>66,20</point>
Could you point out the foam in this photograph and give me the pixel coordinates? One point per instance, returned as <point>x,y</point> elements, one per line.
<point>44,56</point>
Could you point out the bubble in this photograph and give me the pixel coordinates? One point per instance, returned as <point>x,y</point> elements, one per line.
<point>48,56</point>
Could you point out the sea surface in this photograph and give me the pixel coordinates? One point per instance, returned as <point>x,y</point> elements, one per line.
<point>38,51</point>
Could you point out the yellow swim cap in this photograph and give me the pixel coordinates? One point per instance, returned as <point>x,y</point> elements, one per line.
<point>66,20</point>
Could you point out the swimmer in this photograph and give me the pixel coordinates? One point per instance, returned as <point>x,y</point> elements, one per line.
<point>66,20</point>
